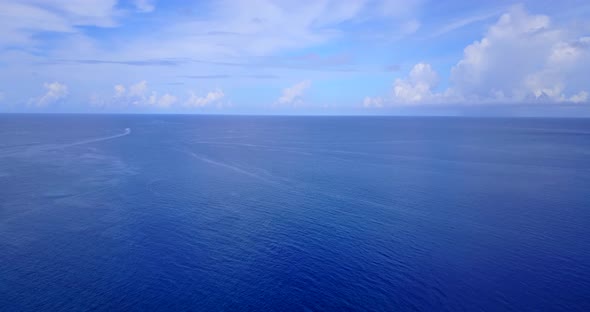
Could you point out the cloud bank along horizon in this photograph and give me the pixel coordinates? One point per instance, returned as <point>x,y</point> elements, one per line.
<point>332,57</point>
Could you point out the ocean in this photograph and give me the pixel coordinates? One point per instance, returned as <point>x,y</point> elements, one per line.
<point>268,213</point>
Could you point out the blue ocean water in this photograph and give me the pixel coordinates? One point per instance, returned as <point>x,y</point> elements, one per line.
<point>220,213</point>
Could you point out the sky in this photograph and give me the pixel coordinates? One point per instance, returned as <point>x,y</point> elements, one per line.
<point>325,57</point>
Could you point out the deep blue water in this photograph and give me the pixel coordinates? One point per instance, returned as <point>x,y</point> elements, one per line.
<point>293,213</point>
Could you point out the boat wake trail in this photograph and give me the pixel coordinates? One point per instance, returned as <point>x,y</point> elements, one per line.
<point>232,168</point>
<point>38,148</point>
<point>110,137</point>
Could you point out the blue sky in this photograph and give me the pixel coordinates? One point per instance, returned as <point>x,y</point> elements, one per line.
<point>296,57</point>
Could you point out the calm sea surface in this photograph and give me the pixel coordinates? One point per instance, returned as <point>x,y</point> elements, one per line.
<point>177,213</point>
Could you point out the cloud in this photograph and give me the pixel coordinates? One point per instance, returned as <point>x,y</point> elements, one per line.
<point>22,19</point>
<point>220,29</point>
<point>164,101</point>
<point>195,101</point>
<point>418,87</point>
<point>242,29</point>
<point>120,90</point>
<point>580,97</point>
<point>165,62</point>
<point>144,6</point>
<point>521,58</point>
<point>308,61</point>
<point>225,76</point>
<point>137,90</point>
<point>60,37</point>
<point>55,92</point>
<point>294,95</point>
<point>219,76</point>
<point>392,68</point>
<point>373,102</point>
<point>460,23</point>
<point>140,96</point>
<point>410,27</point>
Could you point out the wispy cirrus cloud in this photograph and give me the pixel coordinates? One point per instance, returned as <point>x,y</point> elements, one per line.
<point>22,20</point>
<point>313,62</point>
<point>392,68</point>
<point>152,62</point>
<point>237,29</point>
<point>464,22</point>
<point>145,6</point>
<point>227,76</point>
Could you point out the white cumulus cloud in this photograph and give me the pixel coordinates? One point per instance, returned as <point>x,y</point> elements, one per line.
<point>164,101</point>
<point>373,102</point>
<point>139,95</point>
<point>54,92</point>
<point>120,90</point>
<point>202,101</point>
<point>521,58</point>
<point>417,86</point>
<point>294,95</point>
<point>580,97</point>
<point>138,89</point>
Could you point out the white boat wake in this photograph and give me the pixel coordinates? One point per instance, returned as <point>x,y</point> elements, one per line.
<point>28,150</point>
<point>232,168</point>
<point>110,137</point>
